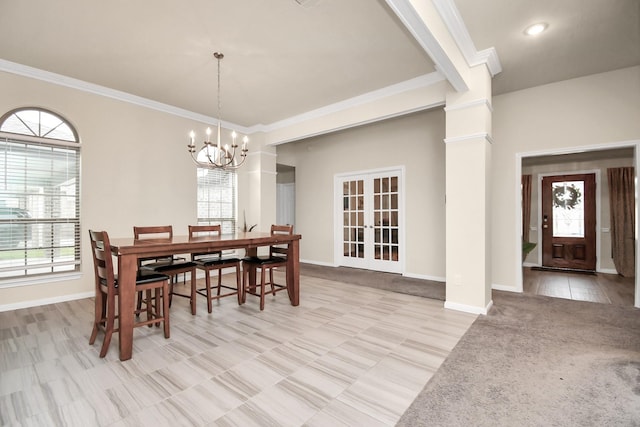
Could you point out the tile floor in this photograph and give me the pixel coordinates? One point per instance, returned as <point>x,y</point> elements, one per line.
<point>346,356</point>
<point>601,288</point>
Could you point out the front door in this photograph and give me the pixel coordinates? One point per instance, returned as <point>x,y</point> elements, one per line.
<point>569,221</point>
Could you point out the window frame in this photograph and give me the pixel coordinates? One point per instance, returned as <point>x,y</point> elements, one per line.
<point>204,201</point>
<point>55,213</point>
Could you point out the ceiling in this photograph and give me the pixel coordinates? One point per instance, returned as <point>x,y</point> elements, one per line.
<point>288,57</point>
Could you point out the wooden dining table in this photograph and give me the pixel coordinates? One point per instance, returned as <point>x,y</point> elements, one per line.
<point>129,250</point>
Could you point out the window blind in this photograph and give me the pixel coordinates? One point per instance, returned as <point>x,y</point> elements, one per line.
<point>217,198</point>
<point>39,207</point>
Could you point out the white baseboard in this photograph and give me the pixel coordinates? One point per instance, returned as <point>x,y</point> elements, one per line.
<point>45,301</point>
<point>425,277</point>
<point>505,288</point>
<point>468,308</point>
<point>324,264</point>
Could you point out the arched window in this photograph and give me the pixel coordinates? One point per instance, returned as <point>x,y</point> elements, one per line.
<point>39,195</point>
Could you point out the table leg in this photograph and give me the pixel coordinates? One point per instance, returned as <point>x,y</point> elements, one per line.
<point>293,272</point>
<point>127,268</point>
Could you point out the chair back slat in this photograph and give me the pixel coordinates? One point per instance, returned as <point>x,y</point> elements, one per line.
<point>205,230</point>
<point>280,250</point>
<point>156,231</point>
<point>102,259</point>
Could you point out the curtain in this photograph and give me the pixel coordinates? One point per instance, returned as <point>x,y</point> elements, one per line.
<point>526,207</point>
<point>622,206</point>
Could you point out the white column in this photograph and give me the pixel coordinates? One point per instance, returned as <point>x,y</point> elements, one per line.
<point>468,199</point>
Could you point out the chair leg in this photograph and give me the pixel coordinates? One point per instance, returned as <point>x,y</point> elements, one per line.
<point>262,286</point>
<point>101,307</point>
<point>242,299</point>
<point>165,309</point>
<point>139,303</point>
<point>149,303</point>
<point>156,312</point>
<point>208,285</point>
<point>219,280</point>
<point>108,328</point>
<point>273,287</point>
<point>239,287</point>
<point>193,293</point>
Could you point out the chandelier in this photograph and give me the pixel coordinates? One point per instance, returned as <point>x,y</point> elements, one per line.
<point>216,155</point>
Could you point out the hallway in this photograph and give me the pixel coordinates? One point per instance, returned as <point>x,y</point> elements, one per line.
<point>600,287</point>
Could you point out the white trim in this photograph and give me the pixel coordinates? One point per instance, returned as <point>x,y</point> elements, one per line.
<point>46,301</point>
<point>360,123</point>
<point>470,104</point>
<point>322,263</point>
<point>505,288</point>
<point>481,135</point>
<point>419,82</point>
<point>60,80</point>
<point>425,80</point>
<point>468,308</point>
<point>425,277</point>
<point>518,205</point>
<point>453,20</point>
<point>15,282</point>
<point>423,35</point>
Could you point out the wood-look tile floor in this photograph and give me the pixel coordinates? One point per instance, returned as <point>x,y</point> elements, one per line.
<point>346,356</point>
<point>600,288</point>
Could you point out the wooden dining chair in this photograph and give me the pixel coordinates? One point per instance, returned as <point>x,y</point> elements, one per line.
<point>171,266</point>
<point>106,282</point>
<point>277,258</point>
<point>211,261</point>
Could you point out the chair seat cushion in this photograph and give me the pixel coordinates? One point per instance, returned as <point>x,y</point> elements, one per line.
<point>207,262</point>
<point>141,278</point>
<point>263,260</point>
<point>172,266</point>
<point>150,277</point>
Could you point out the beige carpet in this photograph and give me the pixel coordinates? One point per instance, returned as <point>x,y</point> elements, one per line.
<point>538,361</point>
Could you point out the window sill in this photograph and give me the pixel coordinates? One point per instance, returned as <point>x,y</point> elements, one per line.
<point>39,280</point>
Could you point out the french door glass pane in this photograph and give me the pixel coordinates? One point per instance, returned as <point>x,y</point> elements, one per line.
<point>385,212</point>
<point>353,218</point>
<point>568,209</point>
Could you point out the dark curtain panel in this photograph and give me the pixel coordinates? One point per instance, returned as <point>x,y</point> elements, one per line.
<point>526,207</point>
<point>622,205</point>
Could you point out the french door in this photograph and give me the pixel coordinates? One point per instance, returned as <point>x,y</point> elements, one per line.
<point>569,221</point>
<point>369,225</point>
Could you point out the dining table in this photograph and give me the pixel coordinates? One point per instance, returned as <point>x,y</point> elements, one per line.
<point>129,250</point>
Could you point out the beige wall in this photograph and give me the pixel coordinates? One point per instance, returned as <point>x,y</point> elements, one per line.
<point>135,170</point>
<point>415,142</point>
<point>591,112</point>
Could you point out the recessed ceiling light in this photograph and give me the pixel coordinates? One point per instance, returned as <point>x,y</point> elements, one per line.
<point>535,29</point>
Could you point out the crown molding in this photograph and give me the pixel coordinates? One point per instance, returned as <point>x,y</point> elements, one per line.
<point>481,135</point>
<point>470,104</point>
<point>60,80</point>
<point>453,20</point>
<point>425,80</point>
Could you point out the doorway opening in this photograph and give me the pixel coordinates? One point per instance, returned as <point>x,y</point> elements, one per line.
<point>601,283</point>
<point>285,195</point>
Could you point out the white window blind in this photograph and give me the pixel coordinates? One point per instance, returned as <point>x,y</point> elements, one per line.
<point>217,198</point>
<point>39,197</point>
